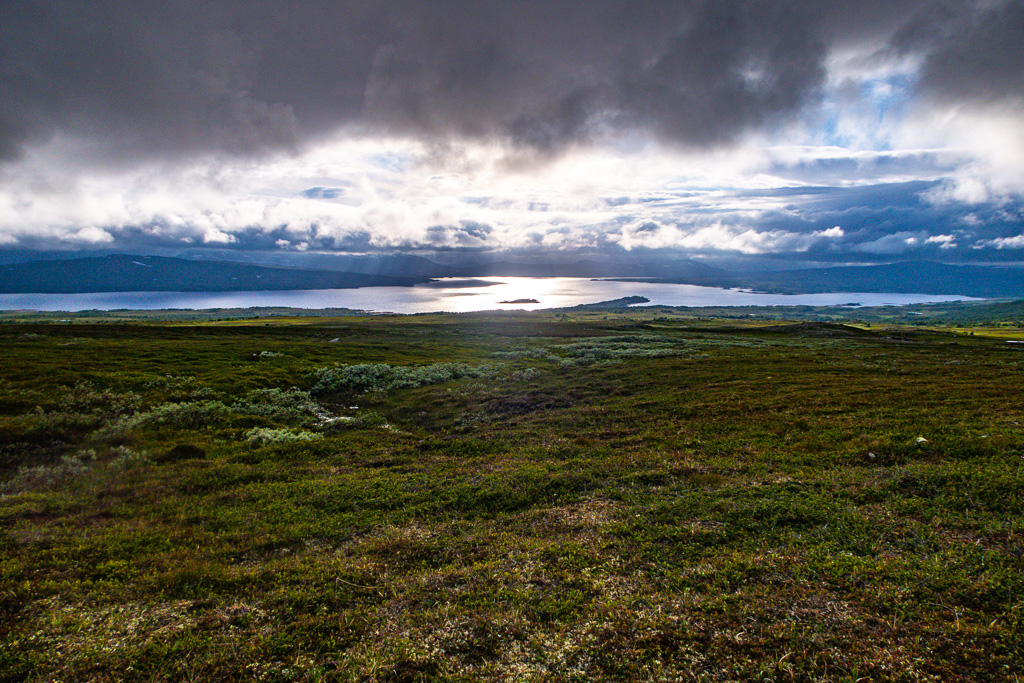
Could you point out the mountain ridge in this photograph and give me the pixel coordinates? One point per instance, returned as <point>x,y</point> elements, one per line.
<point>127,273</point>
<point>130,273</point>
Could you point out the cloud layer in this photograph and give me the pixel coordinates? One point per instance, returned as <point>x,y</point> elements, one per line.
<point>161,77</point>
<point>453,123</point>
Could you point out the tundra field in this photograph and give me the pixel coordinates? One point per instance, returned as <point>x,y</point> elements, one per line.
<point>581,496</point>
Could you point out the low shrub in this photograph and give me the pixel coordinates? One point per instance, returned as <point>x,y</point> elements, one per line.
<point>614,349</point>
<point>364,420</point>
<point>527,375</point>
<point>191,414</point>
<point>81,409</point>
<point>270,437</point>
<point>534,354</point>
<point>282,405</point>
<point>127,459</point>
<point>86,399</point>
<point>357,379</point>
<point>47,477</point>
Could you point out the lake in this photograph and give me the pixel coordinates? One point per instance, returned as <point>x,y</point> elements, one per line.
<point>457,295</point>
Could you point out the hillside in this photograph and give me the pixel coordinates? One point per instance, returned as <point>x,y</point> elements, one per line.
<point>121,273</point>
<point>909,277</point>
<point>912,277</point>
<point>576,495</point>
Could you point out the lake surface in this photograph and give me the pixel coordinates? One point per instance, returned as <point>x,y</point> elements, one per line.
<point>457,295</point>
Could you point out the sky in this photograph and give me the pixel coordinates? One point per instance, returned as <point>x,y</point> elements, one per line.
<point>848,131</point>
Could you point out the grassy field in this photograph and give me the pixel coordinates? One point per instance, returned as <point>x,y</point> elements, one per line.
<point>550,497</point>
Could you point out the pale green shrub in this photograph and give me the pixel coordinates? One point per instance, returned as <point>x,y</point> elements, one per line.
<point>282,405</point>
<point>535,354</point>
<point>262,436</point>
<point>527,375</point>
<point>46,477</point>
<point>81,408</point>
<point>615,349</point>
<point>365,420</point>
<point>191,414</point>
<point>383,377</point>
<point>85,399</point>
<point>127,459</point>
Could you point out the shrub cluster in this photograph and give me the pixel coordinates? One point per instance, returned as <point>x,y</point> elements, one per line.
<point>262,436</point>
<point>80,409</point>
<point>281,405</point>
<point>45,477</point>
<point>364,420</point>
<point>527,375</point>
<point>72,470</point>
<point>518,354</point>
<point>614,349</point>
<point>127,459</point>
<point>191,414</point>
<point>357,379</point>
<point>598,350</point>
<point>86,399</point>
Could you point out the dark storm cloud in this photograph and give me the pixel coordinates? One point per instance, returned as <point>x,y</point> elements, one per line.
<point>134,77</point>
<point>981,59</point>
<point>148,78</point>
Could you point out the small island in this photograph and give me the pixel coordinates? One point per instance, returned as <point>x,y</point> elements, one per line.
<point>520,301</point>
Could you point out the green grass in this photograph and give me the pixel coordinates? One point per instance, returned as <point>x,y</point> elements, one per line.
<point>550,496</point>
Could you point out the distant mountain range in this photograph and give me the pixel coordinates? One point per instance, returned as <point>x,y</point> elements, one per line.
<point>401,265</point>
<point>916,277</point>
<point>205,272</point>
<point>913,277</point>
<point>469,266</point>
<point>119,273</point>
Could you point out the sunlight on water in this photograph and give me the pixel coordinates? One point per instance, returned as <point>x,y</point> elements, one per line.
<point>457,295</point>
